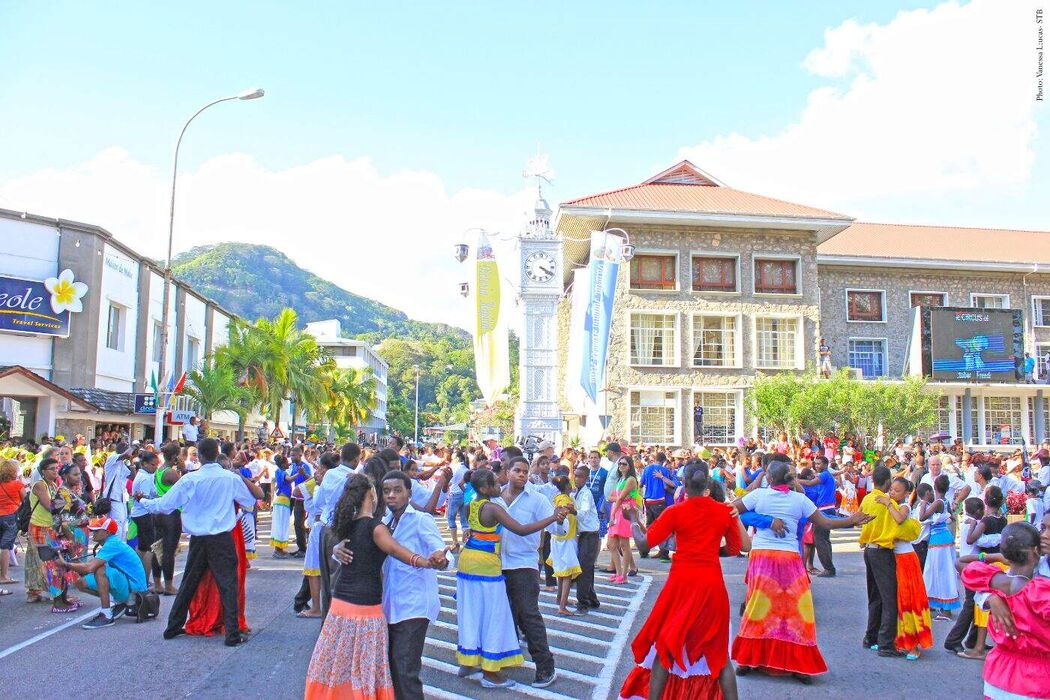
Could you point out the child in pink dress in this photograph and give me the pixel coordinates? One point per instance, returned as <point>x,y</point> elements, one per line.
<point>1019,665</point>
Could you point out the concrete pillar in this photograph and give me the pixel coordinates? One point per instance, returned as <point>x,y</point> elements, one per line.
<point>1040,413</point>
<point>967,413</point>
<point>46,411</point>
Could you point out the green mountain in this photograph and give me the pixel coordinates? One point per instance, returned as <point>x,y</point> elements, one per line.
<point>257,281</point>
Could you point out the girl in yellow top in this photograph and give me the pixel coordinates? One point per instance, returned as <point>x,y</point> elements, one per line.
<point>486,628</point>
<point>563,558</point>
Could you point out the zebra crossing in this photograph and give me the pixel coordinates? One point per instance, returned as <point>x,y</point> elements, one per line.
<point>586,649</point>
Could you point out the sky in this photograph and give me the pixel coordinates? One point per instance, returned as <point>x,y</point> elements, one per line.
<point>390,129</point>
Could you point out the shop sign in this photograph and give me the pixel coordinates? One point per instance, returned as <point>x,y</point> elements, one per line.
<point>40,307</point>
<point>146,404</point>
<point>182,415</point>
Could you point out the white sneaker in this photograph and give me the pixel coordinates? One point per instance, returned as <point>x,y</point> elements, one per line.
<point>507,683</point>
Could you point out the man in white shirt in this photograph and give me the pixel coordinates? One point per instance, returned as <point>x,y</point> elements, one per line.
<point>410,594</point>
<point>189,431</point>
<point>206,497</point>
<point>115,475</point>
<point>958,490</point>
<point>588,542</point>
<point>520,566</point>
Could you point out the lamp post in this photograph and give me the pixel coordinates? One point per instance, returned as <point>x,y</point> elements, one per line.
<point>158,426</point>
<point>415,439</point>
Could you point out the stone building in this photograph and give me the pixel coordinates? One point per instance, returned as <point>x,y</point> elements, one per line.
<point>724,284</point>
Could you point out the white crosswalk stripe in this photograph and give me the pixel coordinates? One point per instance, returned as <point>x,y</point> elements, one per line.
<point>586,649</point>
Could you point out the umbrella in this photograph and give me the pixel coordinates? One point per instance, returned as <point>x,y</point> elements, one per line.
<point>940,437</point>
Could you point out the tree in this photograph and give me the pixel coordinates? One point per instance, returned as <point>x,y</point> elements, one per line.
<point>796,403</point>
<point>294,365</point>
<point>351,398</point>
<point>214,388</point>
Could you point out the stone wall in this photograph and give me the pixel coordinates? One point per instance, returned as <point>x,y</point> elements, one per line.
<point>898,284</point>
<point>684,303</point>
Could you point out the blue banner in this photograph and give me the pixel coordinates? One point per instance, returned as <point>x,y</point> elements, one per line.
<point>606,252</point>
<point>40,307</point>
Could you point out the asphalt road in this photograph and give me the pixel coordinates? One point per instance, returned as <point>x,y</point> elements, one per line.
<point>47,654</point>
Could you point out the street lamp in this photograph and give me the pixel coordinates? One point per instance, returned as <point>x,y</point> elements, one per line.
<point>249,94</point>
<point>415,439</point>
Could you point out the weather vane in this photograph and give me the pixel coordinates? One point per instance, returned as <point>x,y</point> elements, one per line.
<point>539,167</point>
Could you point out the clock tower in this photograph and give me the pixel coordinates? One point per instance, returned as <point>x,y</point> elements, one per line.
<point>541,272</point>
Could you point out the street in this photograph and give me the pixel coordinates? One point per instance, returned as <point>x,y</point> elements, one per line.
<point>592,652</point>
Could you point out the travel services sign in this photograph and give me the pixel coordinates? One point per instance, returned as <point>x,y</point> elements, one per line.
<point>40,307</point>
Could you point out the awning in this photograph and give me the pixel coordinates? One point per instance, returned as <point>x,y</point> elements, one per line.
<point>17,382</point>
<point>457,427</point>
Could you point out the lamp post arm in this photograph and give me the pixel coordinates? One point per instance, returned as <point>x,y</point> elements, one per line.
<point>163,358</point>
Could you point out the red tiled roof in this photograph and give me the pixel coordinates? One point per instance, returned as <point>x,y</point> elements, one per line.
<point>939,243</point>
<point>686,188</point>
<point>702,199</point>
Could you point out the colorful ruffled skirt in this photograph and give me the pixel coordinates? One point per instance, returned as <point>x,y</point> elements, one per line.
<point>914,626</point>
<point>350,658</point>
<point>778,632</point>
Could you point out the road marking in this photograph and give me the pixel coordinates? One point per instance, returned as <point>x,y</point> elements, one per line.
<point>619,641</point>
<point>518,687</point>
<point>562,673</point>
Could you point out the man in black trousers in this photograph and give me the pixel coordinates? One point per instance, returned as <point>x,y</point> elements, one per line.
<point>207,497</point>
<point>877,537</point>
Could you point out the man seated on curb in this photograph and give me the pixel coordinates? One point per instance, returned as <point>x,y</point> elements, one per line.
<point>114,575</point>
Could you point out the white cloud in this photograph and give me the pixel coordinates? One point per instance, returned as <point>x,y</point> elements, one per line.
<point>388,237</point>
<point>935,105</point>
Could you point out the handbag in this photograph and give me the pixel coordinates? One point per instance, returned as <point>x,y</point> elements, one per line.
<point>104,504</point>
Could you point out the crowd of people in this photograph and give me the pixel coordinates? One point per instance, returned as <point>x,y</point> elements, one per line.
<point>108,520</point>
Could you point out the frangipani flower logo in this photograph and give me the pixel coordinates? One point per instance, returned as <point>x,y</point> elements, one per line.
<point>65,293</point>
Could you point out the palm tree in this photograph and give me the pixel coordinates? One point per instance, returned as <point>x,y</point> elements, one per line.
<point>294,364</point>
<point>246,355</point>
<point>351,397</point>
<point>214,388</point>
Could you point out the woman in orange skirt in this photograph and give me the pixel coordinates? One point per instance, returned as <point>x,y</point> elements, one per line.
<point>914,626</point>
<point>350,659</point>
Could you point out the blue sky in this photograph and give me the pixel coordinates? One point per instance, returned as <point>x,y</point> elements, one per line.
<point>463,89</point>
<point>413,121</point>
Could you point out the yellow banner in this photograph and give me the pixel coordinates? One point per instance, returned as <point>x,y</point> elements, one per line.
<point>491,342</point>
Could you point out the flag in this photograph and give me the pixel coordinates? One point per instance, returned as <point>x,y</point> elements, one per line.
<point>606,252</point>
<point>153,384</point>
<point>491,341</point>
<point>179,385</point>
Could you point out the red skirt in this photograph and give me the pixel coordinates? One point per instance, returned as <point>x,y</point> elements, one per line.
<point>914,627</point>
<point>778,632</point>
<point>206,607</point>
<point>688,629</point>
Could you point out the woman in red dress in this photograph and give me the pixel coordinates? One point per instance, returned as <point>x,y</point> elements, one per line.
<point>205,617</point>
<point>682,651</point>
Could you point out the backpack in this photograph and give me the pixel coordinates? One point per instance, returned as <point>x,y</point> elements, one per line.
<point>24,513</point>
<point>146,606</point>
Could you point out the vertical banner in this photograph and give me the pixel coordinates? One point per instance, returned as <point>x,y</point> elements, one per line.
<point>491,342</point>
<point>606,252</point>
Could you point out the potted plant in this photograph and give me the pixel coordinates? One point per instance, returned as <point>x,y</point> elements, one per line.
<point>1015,506</point>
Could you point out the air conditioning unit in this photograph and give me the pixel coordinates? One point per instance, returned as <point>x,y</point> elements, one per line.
<point>856,373</point>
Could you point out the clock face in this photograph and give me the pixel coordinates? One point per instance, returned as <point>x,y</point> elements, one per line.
<point>540,267</point>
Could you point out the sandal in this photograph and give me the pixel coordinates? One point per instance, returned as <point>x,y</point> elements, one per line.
<point>307,614</point>
<point>4,591</point>
<point>35,598</point>
<point>72,608</point>
<point>8,581</point>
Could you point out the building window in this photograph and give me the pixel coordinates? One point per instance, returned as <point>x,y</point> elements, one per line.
<point>1031,419</point>
<point>1002,420</point>
<point>869,356</point>
<point>719,418</point>
<point>654,415</point>
<point>776,276</point>
<point>776,343</point>
<point>714,274</point>
<point>114,332</point>
<point>193,353</point>
<point>864,305</point>
<point>926,299</point>
<point>990,301</point>
<point>158,340</point>
<point>714,341</point>
<point>654,272</point>
<point>653,339</point>
<point>943,424</point>
<point>1041,311</point>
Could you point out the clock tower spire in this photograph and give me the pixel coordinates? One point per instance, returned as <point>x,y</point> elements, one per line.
<point>541,273</point>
